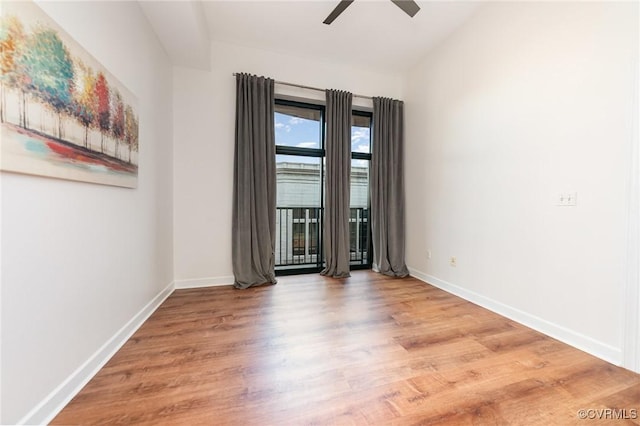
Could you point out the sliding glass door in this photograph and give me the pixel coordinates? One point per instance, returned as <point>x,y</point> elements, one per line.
<point>359,224</point>
<point>299,176</point>
<point>299,129</point>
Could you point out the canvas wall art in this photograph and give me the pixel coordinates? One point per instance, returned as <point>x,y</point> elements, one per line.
<point>62,114</point>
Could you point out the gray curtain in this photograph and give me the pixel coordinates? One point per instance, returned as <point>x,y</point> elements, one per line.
<point>254,183</point>
<point>337,184</point>
<point>387,187</point>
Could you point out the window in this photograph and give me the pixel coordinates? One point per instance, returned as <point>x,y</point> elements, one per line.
<point>298,239</point>
<point>299,131</point>
<point>313,238</point>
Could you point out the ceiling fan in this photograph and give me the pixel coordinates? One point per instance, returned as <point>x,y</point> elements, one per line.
<point>408,6</point>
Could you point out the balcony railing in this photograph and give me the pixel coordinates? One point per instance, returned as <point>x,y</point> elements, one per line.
<point>299,237</point>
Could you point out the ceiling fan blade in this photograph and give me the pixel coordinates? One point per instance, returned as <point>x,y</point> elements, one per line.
<point>337,11</point>
<point>409,7</point>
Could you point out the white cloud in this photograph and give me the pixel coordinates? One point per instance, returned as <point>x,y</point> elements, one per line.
<point>282,126</point>
<point>356,135</point>
<point>295,159</point>
<point>295,120</point>
<point>307,145</point>
<point>362,148</point>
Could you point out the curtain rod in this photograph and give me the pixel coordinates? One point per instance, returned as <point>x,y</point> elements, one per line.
<point>302,86</point>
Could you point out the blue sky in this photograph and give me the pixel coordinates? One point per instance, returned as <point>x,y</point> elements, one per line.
<point>300,132</point>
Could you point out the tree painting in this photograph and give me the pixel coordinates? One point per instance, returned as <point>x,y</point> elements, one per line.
<point>11,75</point>
<point>62,114</point>
<point>104,108</point>
<point>131,130</point>
<point>117,122</point>
<point>85,102</point>
<point>49,71</point>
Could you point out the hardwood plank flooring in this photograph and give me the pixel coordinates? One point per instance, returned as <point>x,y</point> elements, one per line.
<point>364,350</point>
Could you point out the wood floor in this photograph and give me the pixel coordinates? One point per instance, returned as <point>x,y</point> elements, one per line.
<point>364,350</point>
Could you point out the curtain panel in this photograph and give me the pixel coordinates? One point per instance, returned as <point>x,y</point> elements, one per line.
<point>254,183</point>
<point>337,183</point>
<point>387,187</point>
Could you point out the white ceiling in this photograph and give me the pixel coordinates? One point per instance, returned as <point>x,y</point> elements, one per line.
<point>369,33</point>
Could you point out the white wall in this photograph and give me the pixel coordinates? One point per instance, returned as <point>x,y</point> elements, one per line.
<point>204,114</point>
<point>524,101</point>
<point>81,260</point>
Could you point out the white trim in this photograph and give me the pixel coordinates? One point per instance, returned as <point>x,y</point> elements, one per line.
<point>204,282</point>
<point>601,350</point>
<point>53,403</point>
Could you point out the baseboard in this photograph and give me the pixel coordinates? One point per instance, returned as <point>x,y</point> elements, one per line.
<point>584,343</point>
<point>53,403</point>
<point>204,282</point>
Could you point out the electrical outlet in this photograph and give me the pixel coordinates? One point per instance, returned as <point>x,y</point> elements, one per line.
<point>453,261</point>
<point>428,254</point>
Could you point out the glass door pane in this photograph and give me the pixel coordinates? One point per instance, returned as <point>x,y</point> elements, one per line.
<point>297,210</point>
<point>299,155</point>
<point>359,225</point>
